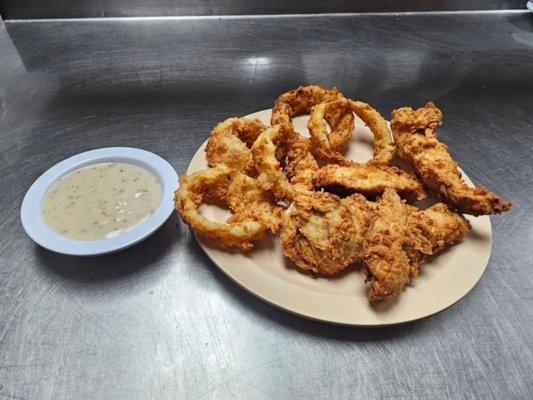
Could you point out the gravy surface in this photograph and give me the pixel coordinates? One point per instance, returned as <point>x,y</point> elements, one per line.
<point>101,201</point>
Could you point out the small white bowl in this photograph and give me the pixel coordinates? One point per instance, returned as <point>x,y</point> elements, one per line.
<point>36,227</point>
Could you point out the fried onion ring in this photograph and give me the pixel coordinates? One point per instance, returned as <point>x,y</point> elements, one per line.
<point>384,149</point>
<point>301,100</point>
<point>230,144</point>
<point>254,211</point>
<point>301,165</point>
<point>264,150</point>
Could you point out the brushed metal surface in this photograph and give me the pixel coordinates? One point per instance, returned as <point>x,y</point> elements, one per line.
<point>35,9</point>
<point>159,321</point>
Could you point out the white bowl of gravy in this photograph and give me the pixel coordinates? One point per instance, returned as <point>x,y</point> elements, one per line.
<point>99,201</point>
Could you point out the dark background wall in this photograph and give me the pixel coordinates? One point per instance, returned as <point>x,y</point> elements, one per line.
<point>28,9</point>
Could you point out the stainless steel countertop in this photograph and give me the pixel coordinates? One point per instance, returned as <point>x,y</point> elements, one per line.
<point>159,321</point>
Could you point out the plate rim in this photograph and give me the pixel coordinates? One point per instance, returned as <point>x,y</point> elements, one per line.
<point>333,321</point>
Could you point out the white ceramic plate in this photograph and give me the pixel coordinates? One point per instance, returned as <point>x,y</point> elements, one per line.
<point>266,273</point>
<point>36,227</point>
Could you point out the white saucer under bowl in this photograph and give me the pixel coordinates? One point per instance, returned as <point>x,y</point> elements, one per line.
<point>31,210</point>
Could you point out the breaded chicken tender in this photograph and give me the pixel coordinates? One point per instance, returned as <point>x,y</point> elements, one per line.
<point>389,267</point>
<point>323,233</point>
<point>400,238</point>
<point>432,230</point>
<point>415,135</point>
<point>369,179</point>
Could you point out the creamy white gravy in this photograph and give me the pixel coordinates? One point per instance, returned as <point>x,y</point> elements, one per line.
<point>101,201</point>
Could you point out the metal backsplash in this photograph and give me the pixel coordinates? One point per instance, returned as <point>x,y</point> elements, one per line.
<point>36,9</point>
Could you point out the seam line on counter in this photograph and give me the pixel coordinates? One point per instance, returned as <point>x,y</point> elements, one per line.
<point>268,16</point>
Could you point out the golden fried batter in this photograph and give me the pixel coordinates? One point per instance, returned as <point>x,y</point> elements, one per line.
<point>248,201</point>
<point>400,238</point>
<point>370,180</point>
<point>323,233</point>
<point>322,142</point>
<point>254,210</point>
<point>300,163</point>
<point>265,150</point>
<point>384,255</point>
<point>384,149</point>
<point>415,135</point>
<point>230,144</point>
<point>255,167</point>
<point>301,100</point>
<point>432,230</point>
